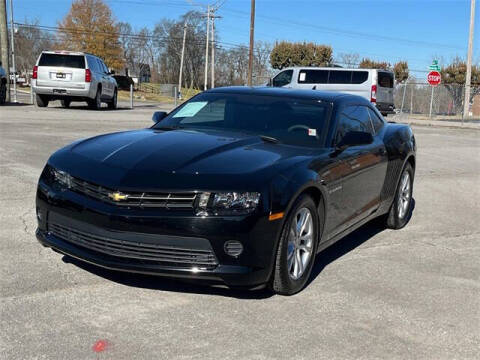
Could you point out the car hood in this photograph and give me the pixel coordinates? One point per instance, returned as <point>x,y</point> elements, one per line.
<point>152,158</point>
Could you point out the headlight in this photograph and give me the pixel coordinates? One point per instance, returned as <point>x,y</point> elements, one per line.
<point>61,177</point>
<point>227,203</point>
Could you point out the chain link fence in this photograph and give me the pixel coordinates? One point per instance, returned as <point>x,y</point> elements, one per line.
<point>440,102</point>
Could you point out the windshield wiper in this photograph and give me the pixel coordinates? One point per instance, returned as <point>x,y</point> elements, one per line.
<point>269,139</point>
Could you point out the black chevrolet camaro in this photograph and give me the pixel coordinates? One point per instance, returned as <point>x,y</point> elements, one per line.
<point>242,186</point>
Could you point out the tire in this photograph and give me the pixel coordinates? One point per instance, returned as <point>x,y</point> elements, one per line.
<point>3,93</point>
<point>96,103</point>
<point>42,101</point>
<point>401,209</point>
<point>112,105</point>
<point>65,103</point>
<point>293,253</point>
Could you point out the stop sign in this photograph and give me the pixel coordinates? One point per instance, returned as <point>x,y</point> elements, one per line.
<point>434,78</point>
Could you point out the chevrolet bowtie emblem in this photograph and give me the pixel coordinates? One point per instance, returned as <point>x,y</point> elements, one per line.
<point>117,196</point>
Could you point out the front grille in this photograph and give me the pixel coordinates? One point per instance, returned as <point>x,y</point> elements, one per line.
<point>165,255</point>
<point>184,200</point>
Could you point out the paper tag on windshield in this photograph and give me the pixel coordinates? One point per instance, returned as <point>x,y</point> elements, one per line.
<point>191,109</point>
<point>302,76</point>
<point>312,132</point>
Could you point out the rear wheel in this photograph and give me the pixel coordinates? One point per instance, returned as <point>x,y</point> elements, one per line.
<point>113,103</point>
<point>66,103</point>
<point>96,103</point>
<point>3,92</point>
<point>42,100</point>
<point>297,248</point>
<point>401,210</point>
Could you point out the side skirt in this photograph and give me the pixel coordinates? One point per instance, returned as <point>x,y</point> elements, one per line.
<point>323,245</point>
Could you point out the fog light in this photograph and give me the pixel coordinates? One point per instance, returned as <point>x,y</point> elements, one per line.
<point>233,248</point>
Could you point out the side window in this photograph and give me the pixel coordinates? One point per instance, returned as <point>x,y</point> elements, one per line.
<point>340,77</point>
<point>101,66</point>
<point>353,118</point>
<point>282,79</point>
<point>385,79</point>
<point>359,77</point>
<point>313,76</point>
<point>376,121</point>
<point>92,63</point>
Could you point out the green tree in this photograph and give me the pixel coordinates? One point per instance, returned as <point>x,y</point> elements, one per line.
<point>285,54</point>
<point>89,26</point>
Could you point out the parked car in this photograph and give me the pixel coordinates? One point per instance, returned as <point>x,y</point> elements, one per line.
<point>3,85</point>
<point>123,82</point>
<point>238,185</point>
<point>73,76</point>
<point>374,85</point>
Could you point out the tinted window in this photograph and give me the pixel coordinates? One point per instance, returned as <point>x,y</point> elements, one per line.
<point>291,121</point>
<point>359,77</point>
<point>376,121</point>
<point>385,79</point>
<point>353,118</point>
<point>313,77</point>
<point>282,79</point>
<point>340,77</point>
<point>71,61</point>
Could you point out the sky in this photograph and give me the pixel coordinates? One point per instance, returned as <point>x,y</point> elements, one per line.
<point>387,30</point>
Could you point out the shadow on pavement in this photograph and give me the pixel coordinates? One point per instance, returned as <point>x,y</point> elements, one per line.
<point>322,260</point>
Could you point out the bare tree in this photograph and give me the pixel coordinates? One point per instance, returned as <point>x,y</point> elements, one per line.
<point>350,60</point>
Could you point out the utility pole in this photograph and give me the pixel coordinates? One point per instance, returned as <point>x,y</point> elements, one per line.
<point>4,43</point>
<point>206,49</point>
<point>213,51</point>
<point>250,54</point>
<point>213,16</point>
<point>13,54</point>
<point>468,78</point>
<point>181,61</point>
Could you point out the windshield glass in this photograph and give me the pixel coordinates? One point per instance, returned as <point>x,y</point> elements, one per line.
<point>291,121</point>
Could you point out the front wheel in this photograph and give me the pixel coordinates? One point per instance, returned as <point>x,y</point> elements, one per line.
<point>401,210</point>
<point>297,248</point>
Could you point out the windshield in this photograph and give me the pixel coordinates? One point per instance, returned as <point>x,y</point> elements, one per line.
<point>290,121</point>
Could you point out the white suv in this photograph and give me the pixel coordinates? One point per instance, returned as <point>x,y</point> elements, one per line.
<point>73,76</point>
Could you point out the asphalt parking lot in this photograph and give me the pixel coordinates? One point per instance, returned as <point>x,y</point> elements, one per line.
<point>412,293</point>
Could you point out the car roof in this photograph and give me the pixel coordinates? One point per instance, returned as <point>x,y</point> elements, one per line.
<point>330,96</point>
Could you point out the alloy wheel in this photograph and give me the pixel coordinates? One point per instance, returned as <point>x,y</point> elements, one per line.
<point>404,195</point>
<point>300,243</point>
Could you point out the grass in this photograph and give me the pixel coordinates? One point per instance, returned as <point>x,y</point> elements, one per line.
<point>149,96</point>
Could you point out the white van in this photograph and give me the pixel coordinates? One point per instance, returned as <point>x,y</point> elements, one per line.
<point>374,85</point>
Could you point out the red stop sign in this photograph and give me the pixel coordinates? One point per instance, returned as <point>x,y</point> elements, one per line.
<point>434,78</point>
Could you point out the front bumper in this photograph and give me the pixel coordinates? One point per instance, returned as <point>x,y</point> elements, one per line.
<point>148,227</point>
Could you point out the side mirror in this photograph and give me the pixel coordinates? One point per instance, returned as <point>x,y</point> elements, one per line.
<point>158,116</point>
<point>355,138</point>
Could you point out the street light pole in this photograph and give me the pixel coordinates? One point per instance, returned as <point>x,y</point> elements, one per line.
<point>13,54</point>
<point>213,51</point>
<point>468,77</point>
